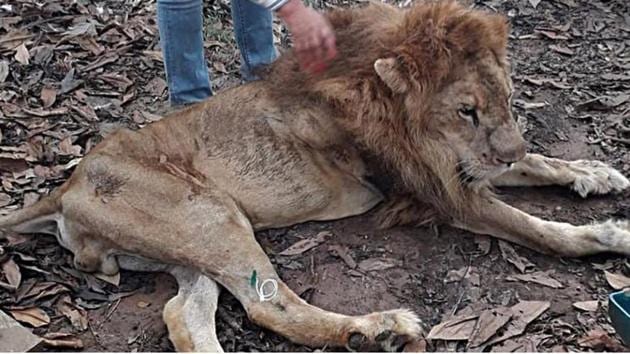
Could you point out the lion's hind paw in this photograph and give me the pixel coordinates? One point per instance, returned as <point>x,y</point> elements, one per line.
<point>385,331</point>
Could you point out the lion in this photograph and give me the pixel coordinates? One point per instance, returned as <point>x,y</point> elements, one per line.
<point>413,116</point>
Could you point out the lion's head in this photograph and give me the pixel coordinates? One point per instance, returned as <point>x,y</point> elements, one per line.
<point>463,100</point>
<point>428,89</point>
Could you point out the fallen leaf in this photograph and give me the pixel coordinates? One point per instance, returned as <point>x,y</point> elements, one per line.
<point>488,324</point>
<point>48,96</point>
<point>617,281</point>
<point>4,70</point>
<point>111,279</point>
<point>22,55</point>
<point>15,337</point>
<point>609,77</point>
<point>456,328</point>
<point>534,3</point>
<point>156,87</point>
<point>525,344</point>
<point>5,199</point>
<point>522,314</point>
<point>66,148</point>
<point>62,340</point>
<point>43,290</point>
<point>151,117</point>
<point>561,49</point>
<point>374,264</point>
<point>509,254</point>
<point>12,273</point>
<point>305,245</point>
<point>464,273</point>
<point>85,28</point>
<point>76,315</point>
<point>46,113</point>
<point>219,67</point>
<point>549,82</point>
<point>528,105</point>
<point>143,304</point>
<point>600,341</point>
<point>552,35</point>
<point>86,112</point>
<point>541,278</point>
<point>69,83</point>
<point>343,253</point>
<point>589,306</point>
<point>603,103</point>
<point>34,316</point>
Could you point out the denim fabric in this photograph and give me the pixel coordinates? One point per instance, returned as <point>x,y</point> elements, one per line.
<point>253,29</point>
<point>180,23</point>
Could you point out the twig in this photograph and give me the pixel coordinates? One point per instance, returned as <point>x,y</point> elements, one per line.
<point>461,283</point>
<point>619,140</point>
<point>110,312</point>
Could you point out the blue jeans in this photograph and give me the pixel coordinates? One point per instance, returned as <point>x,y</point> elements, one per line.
<point>180,23</point>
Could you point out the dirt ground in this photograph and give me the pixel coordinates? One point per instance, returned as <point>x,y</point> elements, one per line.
<point>101,64</point>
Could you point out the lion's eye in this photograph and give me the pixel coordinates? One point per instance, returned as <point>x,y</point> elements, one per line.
<point>470,114</point>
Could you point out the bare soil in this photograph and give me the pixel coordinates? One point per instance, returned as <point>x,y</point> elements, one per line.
<point>579,47</point>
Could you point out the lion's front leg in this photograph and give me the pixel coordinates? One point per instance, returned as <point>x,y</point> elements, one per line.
<point>583,176</point>
<point>503,221</point>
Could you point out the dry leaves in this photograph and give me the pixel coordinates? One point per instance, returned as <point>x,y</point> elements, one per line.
<point>34,316</point>
<point>62,340</point>
<point>111,279</point>
<point>510,255</point>
<point>344,253</point>
<point>490,326</point>
<point>599,340</point>
<point>562,49</point>
<point>15,337</point>
<point>22,55</point>
<point>489,323</point>
<point>470,274</point>
<point>588,306</point>
<point>542,278</point>
<point>48,96</point>
<point>617,281</point>
<point>305,245</point>
<point>455,328</point>
<point>379,263</point>
<point>74,313</point>
<point>522,314</point>
<point>12,274</point>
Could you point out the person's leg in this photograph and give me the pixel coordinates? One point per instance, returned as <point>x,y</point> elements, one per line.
<point>253,28</point>
<point>180,23</point>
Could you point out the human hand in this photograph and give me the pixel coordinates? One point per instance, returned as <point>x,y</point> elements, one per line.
<point>313,36</point>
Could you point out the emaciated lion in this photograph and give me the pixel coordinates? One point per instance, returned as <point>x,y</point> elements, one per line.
<point>418,100</point>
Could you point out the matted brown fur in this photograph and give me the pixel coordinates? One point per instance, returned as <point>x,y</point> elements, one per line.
<point>429,41</point>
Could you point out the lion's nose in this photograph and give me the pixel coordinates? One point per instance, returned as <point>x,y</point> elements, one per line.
<point>510,155</point>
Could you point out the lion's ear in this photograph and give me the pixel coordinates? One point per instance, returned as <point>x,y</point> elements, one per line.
<point>388,70</point>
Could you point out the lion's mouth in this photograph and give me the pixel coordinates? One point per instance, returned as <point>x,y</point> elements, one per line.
<point>465,177</point>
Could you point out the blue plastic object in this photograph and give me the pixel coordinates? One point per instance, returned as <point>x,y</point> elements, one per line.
<point>619,311</point>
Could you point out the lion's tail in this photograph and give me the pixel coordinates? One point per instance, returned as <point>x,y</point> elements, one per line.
<point>40,217</point>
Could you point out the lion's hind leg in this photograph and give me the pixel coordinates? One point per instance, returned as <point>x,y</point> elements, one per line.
<point>189,315</point>
<point>583,176</point>
<point>160,216</point>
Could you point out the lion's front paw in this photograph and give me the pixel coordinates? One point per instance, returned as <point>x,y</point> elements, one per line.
<point>596,177</point>
<point>384,331</point>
